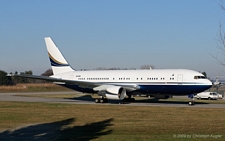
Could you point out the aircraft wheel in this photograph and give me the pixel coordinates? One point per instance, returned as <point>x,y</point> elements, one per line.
<point>97,100</point>
<point>102,100</point>
<point>132,100</point>
<point>190,103</point>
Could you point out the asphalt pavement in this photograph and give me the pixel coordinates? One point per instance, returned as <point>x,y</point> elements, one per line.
<point>24,97</point>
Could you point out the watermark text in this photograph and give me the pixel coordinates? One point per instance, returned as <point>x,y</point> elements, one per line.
<point>195,136</point>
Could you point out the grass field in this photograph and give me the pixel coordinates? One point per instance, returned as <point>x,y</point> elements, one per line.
<point>43,121</point>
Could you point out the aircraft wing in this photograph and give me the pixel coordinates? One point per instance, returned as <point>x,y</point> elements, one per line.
<point>52,79</point>
<point>84,84</point>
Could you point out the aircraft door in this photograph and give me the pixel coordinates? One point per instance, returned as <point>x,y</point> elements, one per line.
<point>180,78</point>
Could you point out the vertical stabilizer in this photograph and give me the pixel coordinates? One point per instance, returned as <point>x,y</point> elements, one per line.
<point>58,62</point>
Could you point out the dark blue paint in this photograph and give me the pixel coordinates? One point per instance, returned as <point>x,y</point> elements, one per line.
<point>155,89</point>
<point>173,89</point>
<point>53,63</point>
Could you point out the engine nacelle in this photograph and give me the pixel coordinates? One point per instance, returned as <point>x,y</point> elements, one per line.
<point>115,92</point>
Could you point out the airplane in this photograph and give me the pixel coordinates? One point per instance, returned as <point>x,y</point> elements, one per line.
<point>123,84</point>
<point>217,83</point>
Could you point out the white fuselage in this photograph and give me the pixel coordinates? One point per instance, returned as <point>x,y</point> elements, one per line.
<point>119,83</point>
<point>157,81</point>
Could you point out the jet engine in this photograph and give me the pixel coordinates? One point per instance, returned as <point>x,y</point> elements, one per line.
<point>115,92</point>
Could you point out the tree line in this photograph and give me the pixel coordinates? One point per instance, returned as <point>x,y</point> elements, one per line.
<point>5,80</point>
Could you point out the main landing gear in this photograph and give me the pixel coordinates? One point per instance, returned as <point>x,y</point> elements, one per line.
<point>105,100</point>
<point>101,100</point>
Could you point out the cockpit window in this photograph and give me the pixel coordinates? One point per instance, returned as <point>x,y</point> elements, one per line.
<point>199,77</point>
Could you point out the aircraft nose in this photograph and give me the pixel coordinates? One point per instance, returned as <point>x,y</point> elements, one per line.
<point>209,82</point>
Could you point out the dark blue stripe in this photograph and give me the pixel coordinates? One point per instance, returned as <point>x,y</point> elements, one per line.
<point>53,63</point>
<point>155,89</point>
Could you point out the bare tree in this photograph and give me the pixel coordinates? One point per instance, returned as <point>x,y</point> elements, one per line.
<point>48,72</point>
<point>100,68</point>
<point>147,67</point>
<point>111,68</point>
<point>222,6</point>
<point>220,40</point>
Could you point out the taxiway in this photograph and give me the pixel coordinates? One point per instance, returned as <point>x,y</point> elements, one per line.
<point>27,97</point>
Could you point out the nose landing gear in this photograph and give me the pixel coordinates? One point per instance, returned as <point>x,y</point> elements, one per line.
<point>192,100</point>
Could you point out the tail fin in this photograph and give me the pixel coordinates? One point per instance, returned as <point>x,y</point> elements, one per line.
<point>58,62</point>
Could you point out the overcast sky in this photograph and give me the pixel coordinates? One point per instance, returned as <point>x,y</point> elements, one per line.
<point>112,33</point>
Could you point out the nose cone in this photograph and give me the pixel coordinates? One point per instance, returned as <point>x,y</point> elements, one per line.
<point>209,83</point>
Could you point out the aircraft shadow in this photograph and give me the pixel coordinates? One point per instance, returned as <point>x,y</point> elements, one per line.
<point>59,130</point>
<point>167,102</point>
<point>87,98</point>
<point>82,98</point>
<point>90,99</point>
